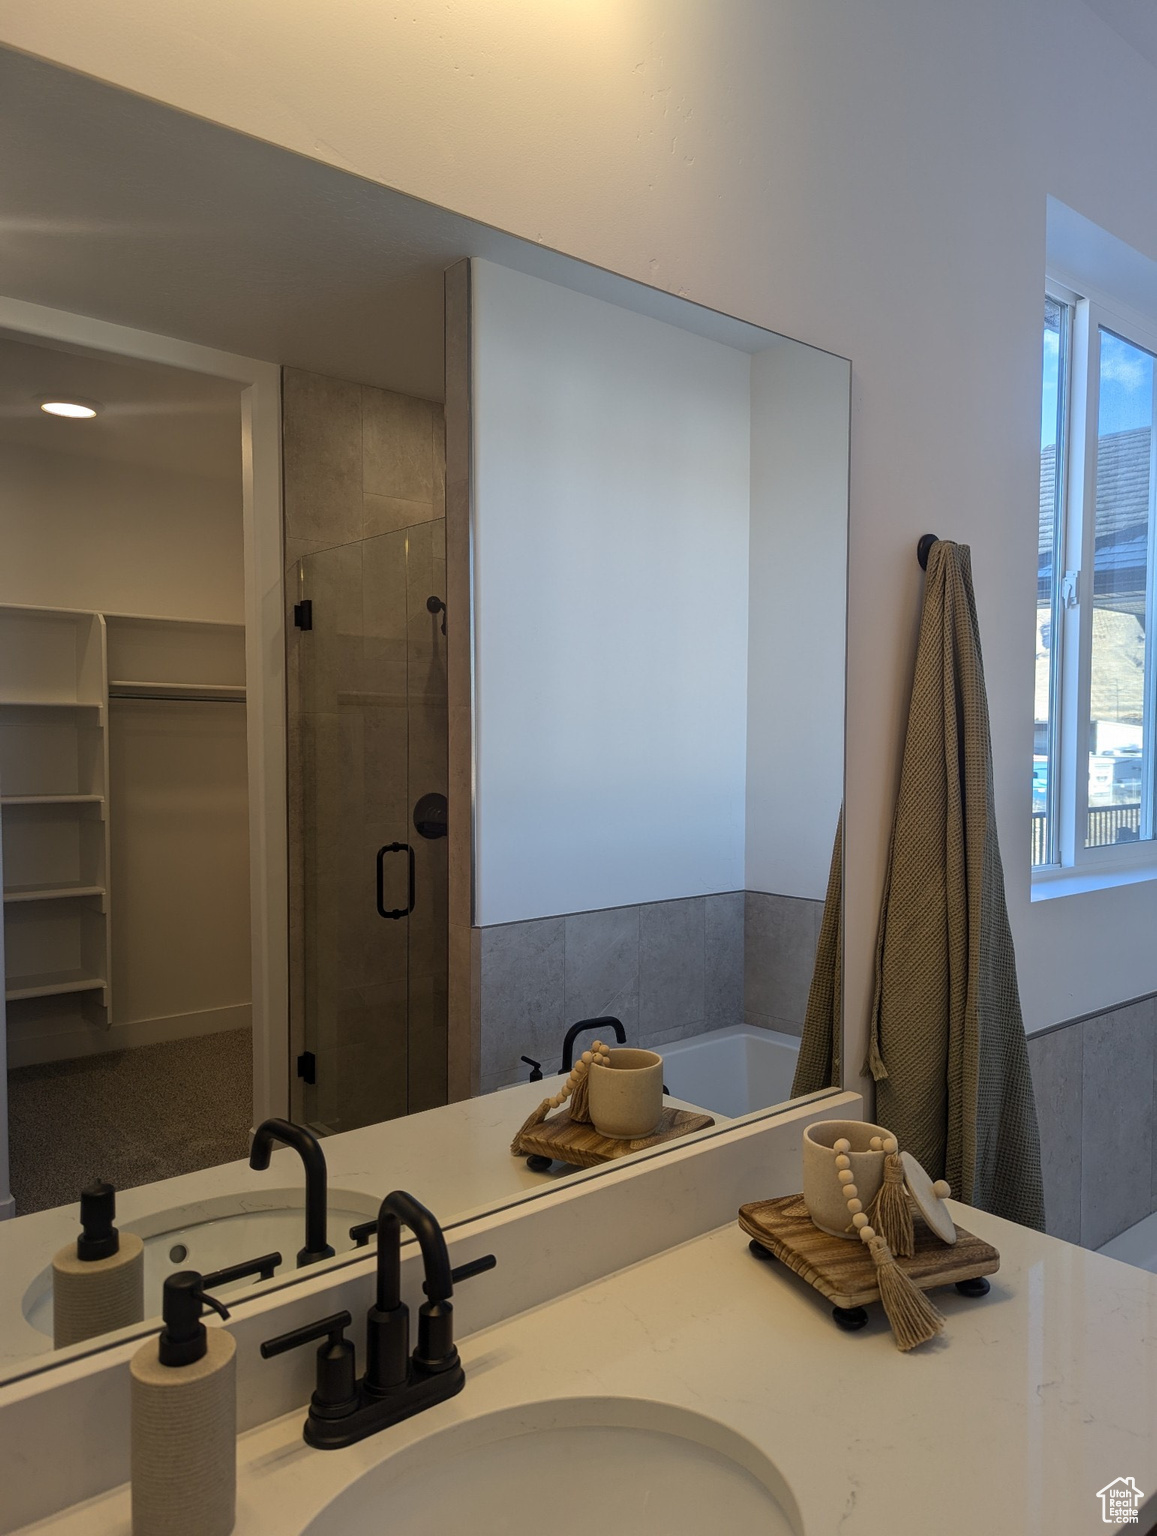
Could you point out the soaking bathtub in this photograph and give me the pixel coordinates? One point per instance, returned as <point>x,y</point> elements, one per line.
<point>731,1071</point>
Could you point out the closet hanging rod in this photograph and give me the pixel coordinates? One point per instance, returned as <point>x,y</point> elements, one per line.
<point>179,693</point>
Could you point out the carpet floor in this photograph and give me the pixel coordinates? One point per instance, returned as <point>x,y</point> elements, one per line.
<point>130,1117</point>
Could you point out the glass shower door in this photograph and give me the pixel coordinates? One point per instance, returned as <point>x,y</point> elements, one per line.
<point>372,751</point>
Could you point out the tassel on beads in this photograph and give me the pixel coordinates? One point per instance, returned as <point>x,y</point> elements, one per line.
<point>913,1317</point>
<point>576,1088</point>
<point>579,1099</point>
<point>890,1213</point>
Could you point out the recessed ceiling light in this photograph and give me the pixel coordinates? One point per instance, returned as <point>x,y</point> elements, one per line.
<point>77,410</point>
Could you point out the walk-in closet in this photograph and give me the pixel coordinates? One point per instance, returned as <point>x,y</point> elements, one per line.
<point>123,772</point>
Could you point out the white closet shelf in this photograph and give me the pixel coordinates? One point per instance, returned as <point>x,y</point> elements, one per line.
<point>51,799</point>
<point>51,984</point>
<point>50,704</point>
<point>49,892</point>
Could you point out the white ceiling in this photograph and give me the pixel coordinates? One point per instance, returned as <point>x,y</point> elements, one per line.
<point>119,208</point>
<point>164,418</point>
<point>1134,20</point>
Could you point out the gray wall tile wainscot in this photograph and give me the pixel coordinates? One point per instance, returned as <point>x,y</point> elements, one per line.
<point>779,951</point>
<point>1117,1118</point>
<point>723,957</point>
<point>522,970</point>
<point>601,966</point>
<point>1095,1082</point>
<point>672,968</point>
<point>667,969</point>
<point>1056,1063</point>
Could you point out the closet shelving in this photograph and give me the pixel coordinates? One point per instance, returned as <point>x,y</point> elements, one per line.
<point>53,805</point>
<point>59,669</point>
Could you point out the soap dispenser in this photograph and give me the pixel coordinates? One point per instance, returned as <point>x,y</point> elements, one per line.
<point>184,1419</point>
<point>98,1282</point>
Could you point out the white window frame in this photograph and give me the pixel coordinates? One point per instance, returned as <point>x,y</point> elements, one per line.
<point>1079,868</point>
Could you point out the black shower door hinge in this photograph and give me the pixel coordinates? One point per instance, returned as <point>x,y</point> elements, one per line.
<point>303,613</point>
<point>307,1067</point>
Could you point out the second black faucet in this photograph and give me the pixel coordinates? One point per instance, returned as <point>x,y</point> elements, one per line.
<point>306,1144</point>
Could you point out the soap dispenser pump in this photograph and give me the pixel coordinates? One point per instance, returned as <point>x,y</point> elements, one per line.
<point>98,1282</point>
<point>184,1419</point>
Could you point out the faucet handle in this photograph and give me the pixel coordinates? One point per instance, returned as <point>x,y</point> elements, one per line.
<point>336,1393</point>
<point>262,1267</point>
<point>468,1271</point>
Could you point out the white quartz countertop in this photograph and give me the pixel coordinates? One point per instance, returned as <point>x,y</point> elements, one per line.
<point>456,1159</point>
<point>1037,1395</point>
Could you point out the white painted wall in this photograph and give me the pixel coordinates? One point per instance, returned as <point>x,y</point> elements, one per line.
<point>78,531</point>
<point>82,532</point>
<point>869,178</point>
<point>796,617</point>
<point>611,466</point>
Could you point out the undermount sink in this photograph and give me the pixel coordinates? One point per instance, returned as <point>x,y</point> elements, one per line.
<point>573,1466</point>
<point>214,1233</point>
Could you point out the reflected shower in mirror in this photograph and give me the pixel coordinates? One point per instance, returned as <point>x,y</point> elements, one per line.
<point>466,664</point>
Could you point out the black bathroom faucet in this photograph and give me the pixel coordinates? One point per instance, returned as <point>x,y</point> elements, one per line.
<point>614,1025</point>
<point>306,1144</point>
<point>396,1384</point>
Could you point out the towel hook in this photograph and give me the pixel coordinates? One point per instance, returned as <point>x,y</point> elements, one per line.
<point>924,548</point>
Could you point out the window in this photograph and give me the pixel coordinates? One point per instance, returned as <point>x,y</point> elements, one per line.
<point>1095,736</point>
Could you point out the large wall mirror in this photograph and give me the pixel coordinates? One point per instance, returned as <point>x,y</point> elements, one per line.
<point>424,643</point>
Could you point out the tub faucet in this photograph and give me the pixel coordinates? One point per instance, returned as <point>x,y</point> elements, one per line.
<point>615,1025</point>
<point>307,1146</point>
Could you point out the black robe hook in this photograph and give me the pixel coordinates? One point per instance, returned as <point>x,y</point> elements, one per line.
<point>924,548</point>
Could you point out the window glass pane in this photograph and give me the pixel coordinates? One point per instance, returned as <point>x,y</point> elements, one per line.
<point>1124,499</point>
<point>1047,604</point>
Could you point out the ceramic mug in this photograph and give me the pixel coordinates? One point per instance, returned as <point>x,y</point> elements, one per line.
<point>822,1191</point>
<point>626,1098</point>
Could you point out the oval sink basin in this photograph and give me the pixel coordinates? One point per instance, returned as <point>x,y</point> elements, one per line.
<point>573,1467</point>
<point>217,1232</point>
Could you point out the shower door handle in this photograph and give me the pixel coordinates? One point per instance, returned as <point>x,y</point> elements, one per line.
<point>396,912</point>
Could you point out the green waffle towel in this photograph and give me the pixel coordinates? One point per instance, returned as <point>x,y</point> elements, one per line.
<point>947,1046</point>
<point>818,1064</point>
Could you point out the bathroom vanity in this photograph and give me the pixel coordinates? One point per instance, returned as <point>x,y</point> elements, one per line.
<point>628,1340</point>
<point>456,1158</point>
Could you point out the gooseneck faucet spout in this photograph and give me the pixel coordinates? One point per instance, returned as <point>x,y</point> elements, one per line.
<point>308,1148</point>
<point>388,1326</point>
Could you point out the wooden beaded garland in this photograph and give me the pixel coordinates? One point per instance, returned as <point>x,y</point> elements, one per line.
<point>574,1088</point>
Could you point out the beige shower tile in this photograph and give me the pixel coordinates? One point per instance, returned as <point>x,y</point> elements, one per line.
<point>322,457</point>
<point>427,1056</point>
<point>330,655</point>
<point>398,444</point>
<point>439,462</point>
<point>388,514</point>
<point>428,925</point>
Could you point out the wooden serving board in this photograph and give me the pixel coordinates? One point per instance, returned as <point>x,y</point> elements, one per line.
<point>844,1271</point>
<point>576,1142</point>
